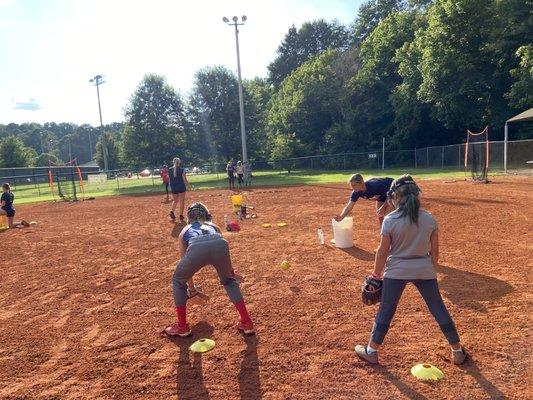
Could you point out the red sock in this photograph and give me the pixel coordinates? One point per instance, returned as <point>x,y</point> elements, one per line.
<point>182,315</point>
<point>243,312</point>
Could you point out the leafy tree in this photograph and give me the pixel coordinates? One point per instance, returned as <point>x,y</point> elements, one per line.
<point>154,131</point>
<point>13,153</point>
<point>370,113</point>
<point>114,156</point>
<point>371,13</point>
<point>43,160</point>
<point>456,72</point>
<point>257,95</point>
<point>521,93</point>
<point>214,115</point>
<point>306,106</point>
<point>299,45</point>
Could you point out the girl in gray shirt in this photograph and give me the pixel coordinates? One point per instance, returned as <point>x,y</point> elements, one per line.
<point>408,253</point>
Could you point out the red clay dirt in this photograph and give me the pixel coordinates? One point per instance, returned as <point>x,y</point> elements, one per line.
<point>85,294</point>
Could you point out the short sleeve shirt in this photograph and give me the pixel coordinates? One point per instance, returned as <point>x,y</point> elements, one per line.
<point>164,175</point>
<point>240,169</point>
<point>194,230</point>
<point>9,198</point>
<point>409,256</point>
<point>376,189</point>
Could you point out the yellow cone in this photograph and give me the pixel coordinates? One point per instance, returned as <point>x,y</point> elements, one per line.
<point>281,224</point>
<point>266,225</point>
<point>202,345</point>
<point>427,372</point>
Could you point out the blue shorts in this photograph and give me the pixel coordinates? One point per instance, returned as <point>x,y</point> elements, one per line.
<point>178,189</point>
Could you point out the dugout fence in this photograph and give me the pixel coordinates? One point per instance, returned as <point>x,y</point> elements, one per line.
<point>36,181</point>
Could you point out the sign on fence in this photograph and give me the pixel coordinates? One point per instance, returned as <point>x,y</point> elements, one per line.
<point>97,178</point>
<point>372,155</point>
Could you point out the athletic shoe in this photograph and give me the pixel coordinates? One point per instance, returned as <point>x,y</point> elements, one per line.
<point>372,358</point>
<point>172,215</point>
<point>177,330</point>
<point>459,357</point>
<point>247,328</point>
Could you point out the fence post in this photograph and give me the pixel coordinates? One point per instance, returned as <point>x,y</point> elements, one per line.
<point>442,157</point>
<point>344,162</point>
<point>416,164</point>
<point>427,157</point>
<point>459,158</point>
<point>506,137</point>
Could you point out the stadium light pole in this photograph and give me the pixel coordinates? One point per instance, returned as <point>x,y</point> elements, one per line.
<point>98,80</point>
<point>236,24</point>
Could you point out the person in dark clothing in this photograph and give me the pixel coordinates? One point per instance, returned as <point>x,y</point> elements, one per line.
<point>372,189</point>
<point>178,187</point>
<point>7,209</point>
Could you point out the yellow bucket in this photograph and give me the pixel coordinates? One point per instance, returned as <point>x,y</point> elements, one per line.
<point>236,200</point>
<point>3,222</point>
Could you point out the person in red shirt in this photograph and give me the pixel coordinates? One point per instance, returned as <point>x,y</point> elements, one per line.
<point>165,178</point>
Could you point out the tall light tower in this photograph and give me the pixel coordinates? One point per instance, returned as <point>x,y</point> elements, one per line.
<point>98,80</point>
<point>236,23</point>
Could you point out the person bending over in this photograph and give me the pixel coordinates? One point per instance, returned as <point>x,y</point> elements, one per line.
<point>201,244</point>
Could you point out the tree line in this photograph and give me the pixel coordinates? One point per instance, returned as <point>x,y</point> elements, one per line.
<point>417,72</point>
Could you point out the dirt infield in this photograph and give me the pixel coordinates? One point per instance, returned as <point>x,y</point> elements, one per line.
<point>85,294</point>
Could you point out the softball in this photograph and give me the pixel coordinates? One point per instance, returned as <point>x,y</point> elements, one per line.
<point>285,265</point>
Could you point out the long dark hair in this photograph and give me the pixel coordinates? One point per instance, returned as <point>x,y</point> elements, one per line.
<point>407,200</point>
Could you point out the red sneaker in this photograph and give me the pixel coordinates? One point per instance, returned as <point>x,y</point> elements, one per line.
<point>177,330</point>
<point>247,328</point>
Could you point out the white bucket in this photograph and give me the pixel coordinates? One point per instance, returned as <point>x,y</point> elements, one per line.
<point>342,233</point>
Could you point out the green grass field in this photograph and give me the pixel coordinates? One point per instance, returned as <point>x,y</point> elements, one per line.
<point>31,193</point>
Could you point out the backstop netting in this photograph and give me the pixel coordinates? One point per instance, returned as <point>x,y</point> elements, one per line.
<point>477,155</point>
<point>66,180</point>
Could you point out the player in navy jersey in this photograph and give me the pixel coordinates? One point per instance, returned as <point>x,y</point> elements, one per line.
<point>373,189</point>
<point>6,207</point>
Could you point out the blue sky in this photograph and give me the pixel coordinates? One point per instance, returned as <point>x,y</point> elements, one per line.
<point>50,48</point>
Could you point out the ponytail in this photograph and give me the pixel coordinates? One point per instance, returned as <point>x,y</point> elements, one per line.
<point>410,208</point>
<point>407,200</point>
<point>177,163</point>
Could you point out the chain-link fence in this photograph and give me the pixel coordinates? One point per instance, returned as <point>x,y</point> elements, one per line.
<point>34,182</point>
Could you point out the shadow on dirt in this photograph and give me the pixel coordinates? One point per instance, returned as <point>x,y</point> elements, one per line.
<point>359,253</point>
<point>469,290</point>
<point>177,227</point>
<point>249,380</point>
<point>190,380</point>
<point>407,391</point>
<point>446,201</point>
<point>471,368</point>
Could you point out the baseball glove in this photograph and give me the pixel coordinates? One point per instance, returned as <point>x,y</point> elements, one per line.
<point>371,290</point>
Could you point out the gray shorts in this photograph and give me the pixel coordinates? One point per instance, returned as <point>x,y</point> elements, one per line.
<point>205,250</point>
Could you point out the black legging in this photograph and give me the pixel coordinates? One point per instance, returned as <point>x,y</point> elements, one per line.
<point>429,289</point>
